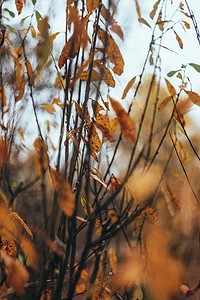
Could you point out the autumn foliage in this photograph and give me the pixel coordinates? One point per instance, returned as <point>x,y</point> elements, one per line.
<point>99,194</point>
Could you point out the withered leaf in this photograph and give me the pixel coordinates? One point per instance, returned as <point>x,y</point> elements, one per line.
<point>164,103</point>
<point>126,123</point>
<point>155,7</point>
<point>92,5</point>
<point>194,97</point>
<point>170,88</point>
<point>95,142</point>
<point>179,40</point>
<point>113,260</point>
<point>112,51</point>
<point>30,72</point>
<point>128,87</point>
<point>66,199</point>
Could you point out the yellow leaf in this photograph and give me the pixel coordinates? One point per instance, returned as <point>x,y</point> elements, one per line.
<point>102,123</point>
<point>20,133</point>
<point>48,107</point>
<point>126,123</point>
<point>179,40</point>
<point>53,36</point>
<point>94,75</point>
<point>95,142</point>
<point>128,87</point>
<point>115,183</point>
<point>30,253</point>
<point>84,275</point>
<point>9,247</point>
<point>170,88</point>
<point>30,72</point>
<point>155,7</point>
<point>113,127</point>
<point>41,158</point>
<point>66,199</point>
<point>112,51</point>
<point>92,5</point>
<point>113,260</point>
<point>80,287</point>
<point>106,75</point>
<point>164,103</point>
<point>22,223</point>
<point>33,32</point>
<point>194,97</point>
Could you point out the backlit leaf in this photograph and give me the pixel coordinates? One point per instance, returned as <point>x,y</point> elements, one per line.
<point>92,151</point>
<point>155,7</point>
<point>80,287</point>
<point>106,75</point>
<point>113,127</point>
<point>194,97</point>
<point>170,88</point>
<point>30,253</point>
<point>41,158</point>
<point>128,87</point>
<point>113,260</point>
<point>183,154</point>
<point>33,32</point>
<point>126,123</point>
<point>95,142</point>
<point>16,216</point>
<point>66,199</point>
<point>48,107</point>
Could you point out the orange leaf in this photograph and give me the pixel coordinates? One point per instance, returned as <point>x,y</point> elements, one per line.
<point>170,88</point>
<point>112,51</point>
<point>164,103</point>
<point>155,7</point>
<point>41,158</point>
<point>92,5</point>
<point>160,22</point>
<point>2,96</point>
<point>113,260</point>
<point>48,107</point>
<point>30,253</point>
<point>30,72</point>
<point>126,123</point>
<point>66,198</point>
<point>94,75</point>
<point>128,87</point>
<point>138,9</point>
<point>194,97</point>
<point>68,51</point>
<point>95,142</point>
<point>92,151</point>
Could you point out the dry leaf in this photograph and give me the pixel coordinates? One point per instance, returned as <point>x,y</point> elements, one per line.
<point>170,88</point>
<point>41,158</point>
<point>48,107</point>
<point>3,96</point>
<point>80,287</point>
<point>155,7</point>
<point>164,103</point>
<point>95,142</point>
<point>92,5</point>
<point>66,199</point>
<point>112,51</point>
<point>30,253</point>
<point>126,123</point>
<point>138,9</point>
<point>113,260</point>
<point>92,151</point>
<point>30,73</point>
<point>94,75</point>
<point>179,40</point>
<point>68,51</point>
<point>33,32</point>
<point>128,87</point>
<point>17,275</point>
<point>194,97</point>
<point>160,22</point>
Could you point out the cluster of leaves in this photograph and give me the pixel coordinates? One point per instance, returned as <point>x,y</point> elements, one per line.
<point>85,207</point>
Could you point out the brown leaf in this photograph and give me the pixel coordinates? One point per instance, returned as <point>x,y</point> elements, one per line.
<point>19,6</point>
<point>113,260</point>
<point>128,87</point>
<point>170,88</point>
<point>95,142</point>
<point>138,9</point>
<point>66,198</point>
<point>41,158</point>
<point>92,5</point>
<point>92,151</point>
<point>126,123</point>
<point>68,51</point>
<point>17,275</point>
<point>94,75</point>
<point>3,96</point>
<point>160,22</point>
<point>30,72</point>
<point>112,51</point>
<point>106,75</point>
<point>179,40</point>
<point>155,7</point>
<point>111,21</point>
<point>194,97</point>
<point>164,103</point>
